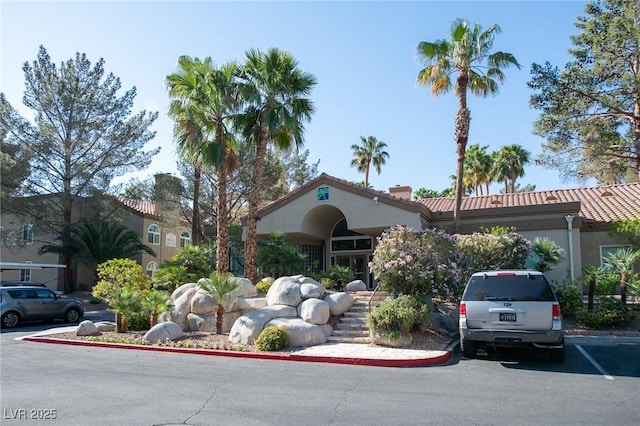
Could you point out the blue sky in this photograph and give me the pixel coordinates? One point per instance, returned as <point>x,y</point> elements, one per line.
<point>362,53</point>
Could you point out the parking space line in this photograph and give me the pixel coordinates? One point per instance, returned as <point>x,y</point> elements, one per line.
<point>595,364</point>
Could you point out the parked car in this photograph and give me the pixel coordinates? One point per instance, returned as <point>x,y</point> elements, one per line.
<point>510,308</point>
<point>26,303</point>
<point>11,283</point>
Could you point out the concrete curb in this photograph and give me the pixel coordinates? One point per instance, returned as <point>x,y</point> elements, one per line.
<point>441,357</point>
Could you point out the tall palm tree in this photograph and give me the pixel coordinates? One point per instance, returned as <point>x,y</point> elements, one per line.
<point>467,55</point>
<point>275,94</point>
<point>477,168</point>
<point>91,244</point>
<point>205,98</point>
<point>622,261</point>
<point>370,151</point>
<point>509,165</point>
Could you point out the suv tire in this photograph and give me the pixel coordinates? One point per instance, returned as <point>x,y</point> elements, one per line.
<point>10,319</point>
<point>468,348</point>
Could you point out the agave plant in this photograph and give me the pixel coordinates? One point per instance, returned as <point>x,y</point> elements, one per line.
<point>220,285</point>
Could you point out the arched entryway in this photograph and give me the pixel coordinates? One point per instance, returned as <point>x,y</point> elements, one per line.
<point>353,250</point>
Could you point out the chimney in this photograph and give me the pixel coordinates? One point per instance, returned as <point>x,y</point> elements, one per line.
<point>166,192</point>
<point>403,192</point>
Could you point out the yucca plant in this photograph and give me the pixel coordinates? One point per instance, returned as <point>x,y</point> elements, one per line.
<point>220,285</point>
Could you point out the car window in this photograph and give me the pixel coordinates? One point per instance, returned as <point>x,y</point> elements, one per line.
<point>513,287</point>
<point>45,294</point>
<point>17,294</point>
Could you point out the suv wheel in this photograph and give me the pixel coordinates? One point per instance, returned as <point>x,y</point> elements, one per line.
<point>10,319</point>
<point>72,315</point>
<point>468,348</point>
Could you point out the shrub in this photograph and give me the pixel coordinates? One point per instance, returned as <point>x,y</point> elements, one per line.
<point>491,250</point>
<point>117,274</point>
<point>609,313</point>
<point>570,295</point>
<point>408,261</point>
<point>272,339</point>
<point>139,321</point>
<point>328,283</point>
<point>401,315</point>
<point>277,258</point>
<point>188,265</point>
<point>264,285</point>
<point>341,275</point>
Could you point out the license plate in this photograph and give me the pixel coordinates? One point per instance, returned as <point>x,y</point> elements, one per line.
<point>508,317</point>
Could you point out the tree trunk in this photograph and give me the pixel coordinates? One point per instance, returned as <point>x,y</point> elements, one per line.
<point>154,318</point>
<point>219,316</point>
<point>250,260</point>
<point>463,120</point>
<point>222,248</point>
<point>623,288</point>
<point>119,323</point>
<point>196,230</point>
<point>591,292</point>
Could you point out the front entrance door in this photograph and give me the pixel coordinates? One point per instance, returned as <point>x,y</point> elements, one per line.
<point>357,264</point>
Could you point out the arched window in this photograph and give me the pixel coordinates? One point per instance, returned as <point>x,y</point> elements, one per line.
<point>152,267</point>
<point>185,239</point>
<point>153,235</point>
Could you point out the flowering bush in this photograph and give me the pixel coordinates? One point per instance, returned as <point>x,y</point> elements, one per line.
<point>490,251</point>
<point>408,261</point>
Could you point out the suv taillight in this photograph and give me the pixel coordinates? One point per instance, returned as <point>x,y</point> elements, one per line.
<point>463,310</point>
<point>557,314</point>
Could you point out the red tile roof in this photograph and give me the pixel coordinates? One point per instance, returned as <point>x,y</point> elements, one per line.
<point>598,204</point>
<point>139,206</point>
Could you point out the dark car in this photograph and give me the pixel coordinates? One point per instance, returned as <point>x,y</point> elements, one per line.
<point>510,308</point>
<point>27,303</point>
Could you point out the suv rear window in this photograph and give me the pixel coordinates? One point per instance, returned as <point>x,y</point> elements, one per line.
<point>509,287</point>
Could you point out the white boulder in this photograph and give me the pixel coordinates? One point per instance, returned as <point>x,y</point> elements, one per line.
<point>164,331</point>
<point>309,290</point>
<point>300,332</point>
<point>356,285</point>
<point>181,290</point>
<point>247,328</point>
<point>246,289</point>
<point>339,303</point>
<point>284,291</point>
<point>314,311</point>
<point>106,326</point>
<point>203,303</point>
<point>182,307</point>
<point>86,328</point>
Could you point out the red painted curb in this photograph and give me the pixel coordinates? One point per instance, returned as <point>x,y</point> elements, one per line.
<point>420,362</point>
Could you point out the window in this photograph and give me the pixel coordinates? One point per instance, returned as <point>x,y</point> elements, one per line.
<point>25,274</point>
<point>606,250</point>
<point>152,268</point>
<point>185,239</point>
<point>153,235</point>
<point>27,233</point>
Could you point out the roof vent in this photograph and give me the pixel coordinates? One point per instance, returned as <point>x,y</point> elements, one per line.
<point>495,201</point>
<point>606,193</point>
<point>550,198</point>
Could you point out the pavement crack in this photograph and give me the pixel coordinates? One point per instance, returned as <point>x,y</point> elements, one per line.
<point>206,402</point>
<point>354,386</point>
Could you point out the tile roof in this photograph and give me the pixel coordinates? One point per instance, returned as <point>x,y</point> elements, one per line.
<point>139,206</point>
<point>597,204</point>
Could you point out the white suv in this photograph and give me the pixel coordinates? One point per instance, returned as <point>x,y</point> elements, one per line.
<point>510,308</point>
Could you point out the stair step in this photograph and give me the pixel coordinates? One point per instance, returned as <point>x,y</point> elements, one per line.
<point>340,339</point>
<point>352,326</point>
<point>351,333</point>
<point>355,314</point>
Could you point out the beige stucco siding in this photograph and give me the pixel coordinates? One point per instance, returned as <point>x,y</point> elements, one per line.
<point>309,216</point>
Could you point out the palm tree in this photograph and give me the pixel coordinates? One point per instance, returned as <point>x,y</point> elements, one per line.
<point>275,93</point>
<point>621,261</point>
<point>124,302</point>
<point>370,151</point>
<point>156,302</point>
<point>221,285</point>
<point>466,54</point>
<point>206,99</point>
<point>477,168</point>
<point>509,165</point>
<point>91,244</point>
<point>549,253</point>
